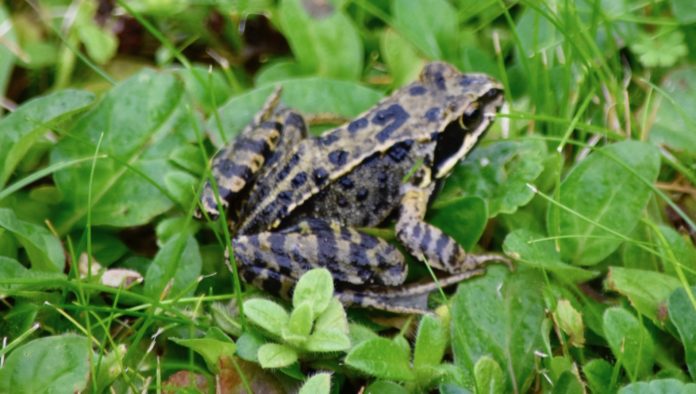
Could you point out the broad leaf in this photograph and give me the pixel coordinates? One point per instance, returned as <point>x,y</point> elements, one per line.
<point>327,341</point>
<point>57,364</point>
<point>598,375</point>
<point>314,288</point>
<point>488,376</point>
<point>648,291</point>
<point>214,346</point>
<point>44,250</point>
<point>570,321</point>
<point>675,120</point>
<point>629,341</point>
<point>610,188</point>
<point>273,355</point>
<point>684,11</point>
<point>333,318</point>
<point>527,247</point>
<point>308,95</point>
<point>175,269</point>
<point>401,58</point>
<point>381,358</point>
<point>431,26</point>
<point>499,173</point>
<point>431,342</point>
<point>323,39</point>
<point>500,315</point>
<point>317,384</point>
<point>671,244</point>
<point>463,219</point>
<point>142,121</point>
<point>22,128</point>
<point>267,315</point>
<point>7,59</point>
<point>682,313</point>
<point>14,277</point>
<point>659,386</point>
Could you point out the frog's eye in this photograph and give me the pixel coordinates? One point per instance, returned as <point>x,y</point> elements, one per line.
<point>470,120</point>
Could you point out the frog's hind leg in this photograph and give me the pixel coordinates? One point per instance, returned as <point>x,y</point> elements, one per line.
<point>428,242</point>
<point>411,298</point>
<point>262,143</point>
<point>352,257</point>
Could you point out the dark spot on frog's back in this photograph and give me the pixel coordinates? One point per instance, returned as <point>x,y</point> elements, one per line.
<point>288,167</point>
<point>392,117</point>
<point>417,90</point>
<point>338,157</point>
<point>328,139</point>
<point>433,114</point>
<point>357,125</point>
<point>362,194</point>
<point>400,150</point>
<point>346,182</point>
<point>320,176</point>
<point>295,120</point>
<point>299,179</point>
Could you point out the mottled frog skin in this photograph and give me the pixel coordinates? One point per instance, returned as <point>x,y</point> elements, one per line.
<point>294,203</point>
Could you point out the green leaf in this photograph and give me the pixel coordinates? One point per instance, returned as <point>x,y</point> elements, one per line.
<point>273,355</point>
<point>463,219</point>
<point>142,120</point>
<point>647,291</point>
<point>11,271</point>
<point>401,58</point>
<point>672,243</point>
<point>611,188</point>
<point>385,387</point>
<point>682,313</point>
<point>176,268</point>
<point>662,49</point>
<point>22,128</point>
<point>659,386</point>
<point>382,358</point>
<point>684,11</point>
<point>629,341</point>
<point>598,375</point>
<point>248,345</point>
<point>214,346</point>
<point>431,342</point>
<point>488,376</point>
<point>323,39</point>
<point>570,321</point>
<point>317,384</point>
<point>267,315</point>
<point>333,318</point>
<point>308,95</point>
<point>499,173</point>
<point>56,364</point>
<point>44,250</point>
<point>675,121</point>
<point>431,26</point>
<point>327,341</point>
<point>526,246</point>
<point>101,44</point>
<point>301,320</point>
<point>537,33</point>
<point>314,288</point>
<point>500,315</point>
<point>7,58</point>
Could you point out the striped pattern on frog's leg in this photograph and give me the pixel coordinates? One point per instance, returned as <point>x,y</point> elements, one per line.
<point>410,298</point>
<point>429,243</point>
<point>262,143</point>
<point>352,257</point>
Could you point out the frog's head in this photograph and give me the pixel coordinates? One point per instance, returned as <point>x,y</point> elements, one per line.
<point>471,102</point>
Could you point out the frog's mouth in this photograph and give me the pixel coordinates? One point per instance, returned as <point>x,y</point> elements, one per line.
<point>461,135</point>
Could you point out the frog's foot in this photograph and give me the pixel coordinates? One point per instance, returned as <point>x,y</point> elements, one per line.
<point>411,298</point>
<point>352,257</point>
<point>428,242</point>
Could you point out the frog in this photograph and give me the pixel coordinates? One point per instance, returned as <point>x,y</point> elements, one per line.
<point>295,202</point>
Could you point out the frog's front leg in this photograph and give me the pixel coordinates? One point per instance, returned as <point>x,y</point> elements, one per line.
<point>428,242</point>
<point>275,260</point>
<point>265,141</point>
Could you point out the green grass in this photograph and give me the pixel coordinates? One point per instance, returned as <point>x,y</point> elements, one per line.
<point>586,180</point>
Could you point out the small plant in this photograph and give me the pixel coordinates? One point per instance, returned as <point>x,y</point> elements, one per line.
<point>317,323</point>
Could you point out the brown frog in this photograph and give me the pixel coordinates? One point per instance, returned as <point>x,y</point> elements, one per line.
<point>295,203</point>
